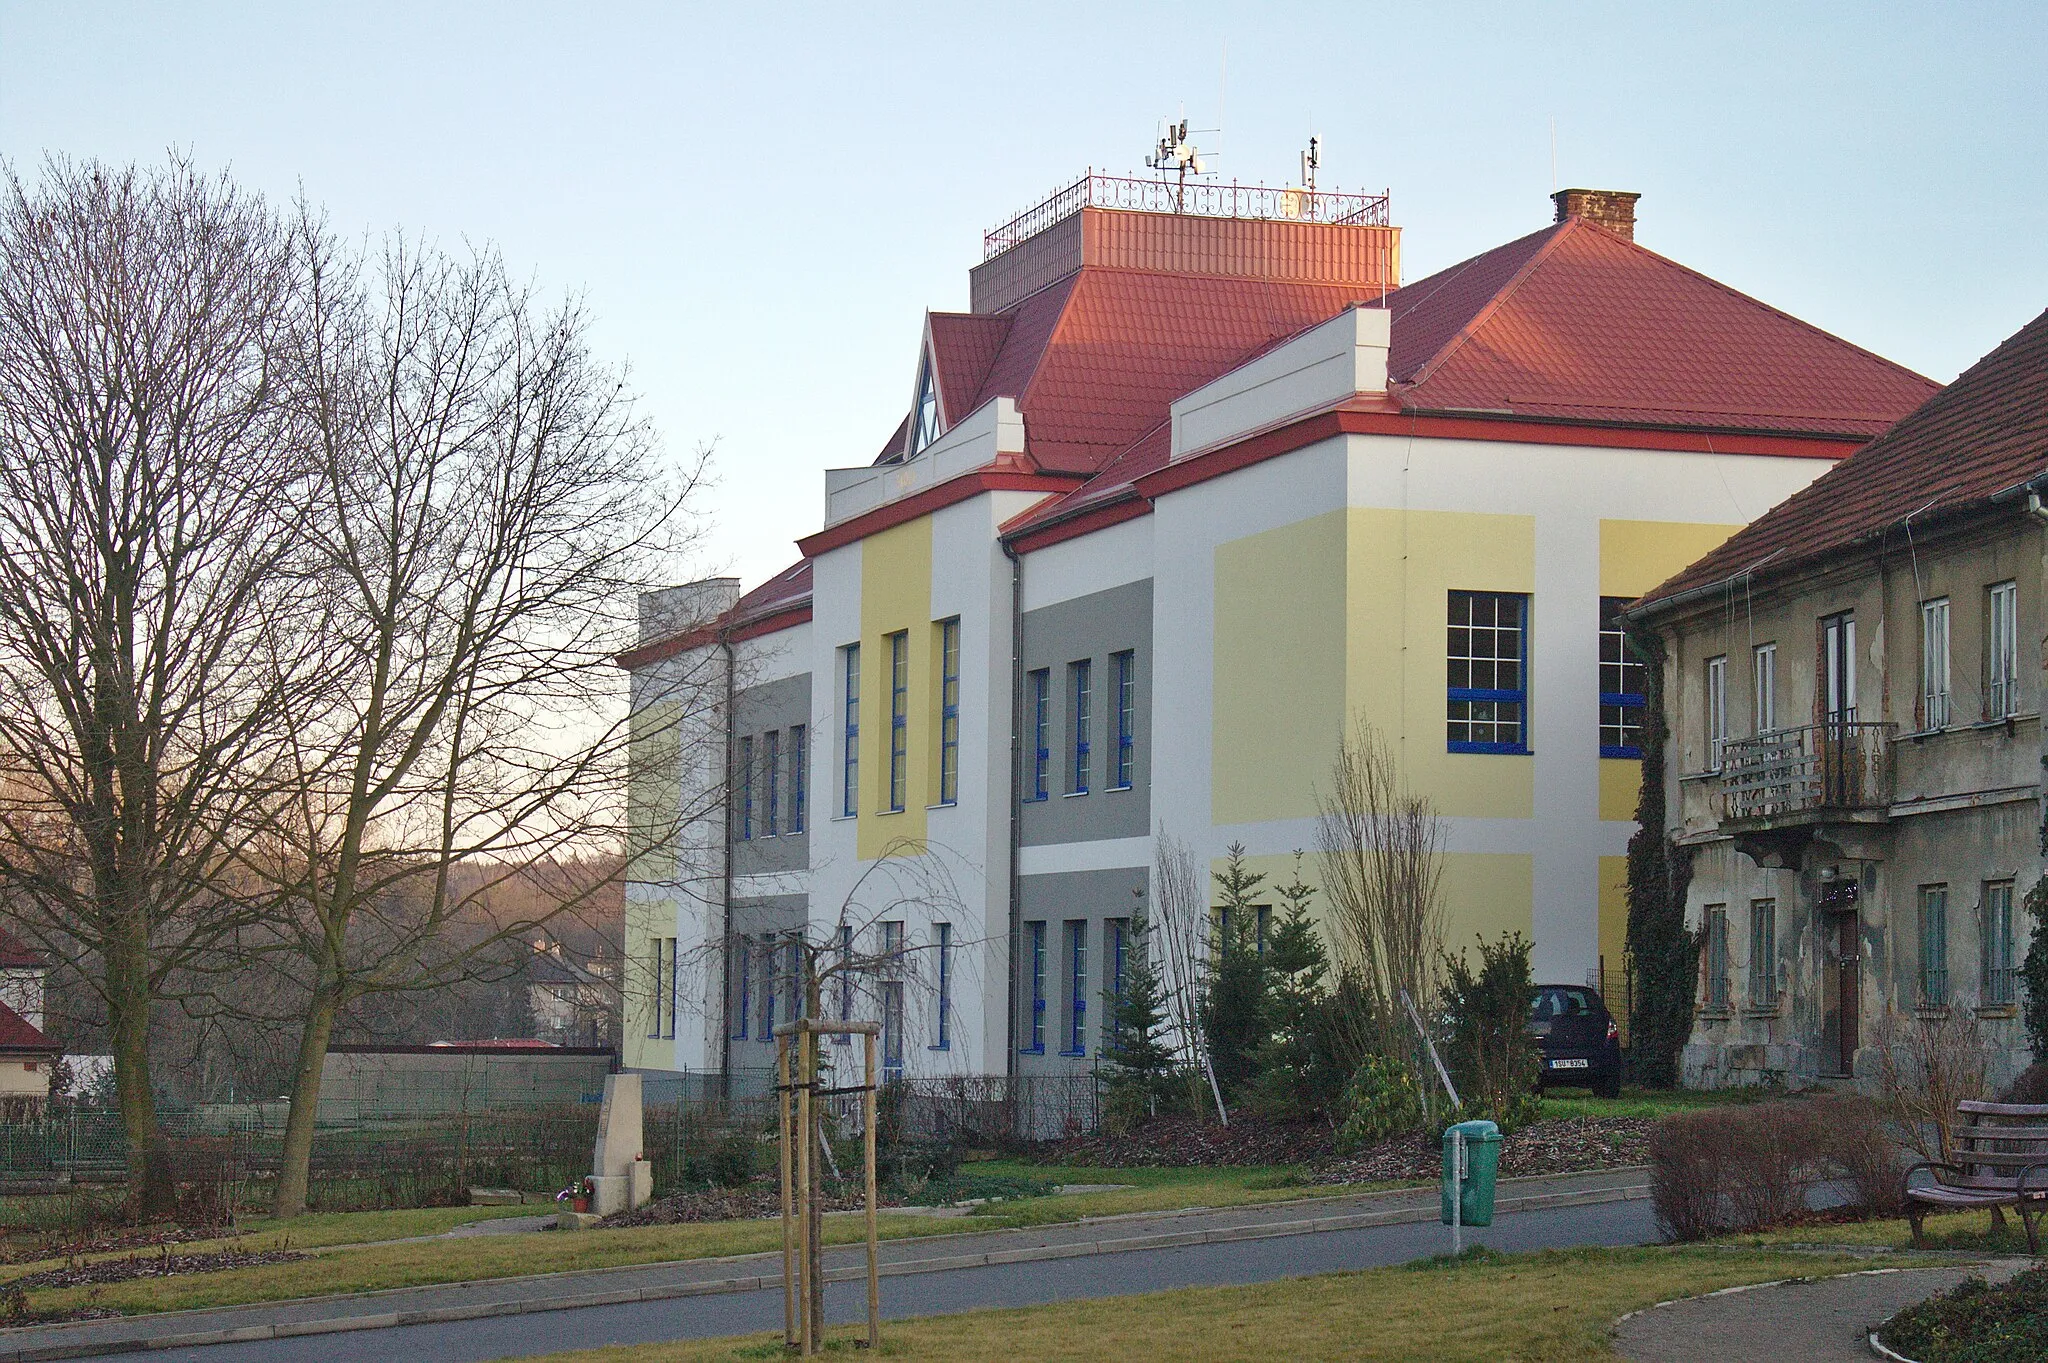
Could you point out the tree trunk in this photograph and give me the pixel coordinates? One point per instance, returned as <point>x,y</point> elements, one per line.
<point>296,1158</point>
<point>149,1177</point>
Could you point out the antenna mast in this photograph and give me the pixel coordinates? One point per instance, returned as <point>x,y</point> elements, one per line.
<point>1310,161</point>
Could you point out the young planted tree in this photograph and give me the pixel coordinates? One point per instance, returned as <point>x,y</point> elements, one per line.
<point>1140,1060</point>
<point>1234,1014</point>
<point>1493,1058</point>
<point>1180,923</point>
<point>485,506</point>
<point>152,480</point>
<point>1299,1070</point>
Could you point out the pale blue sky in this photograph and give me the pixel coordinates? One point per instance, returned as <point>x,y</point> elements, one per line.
<point>759,202</point>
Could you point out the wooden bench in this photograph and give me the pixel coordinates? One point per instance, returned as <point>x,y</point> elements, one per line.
<point>2001,1160</point>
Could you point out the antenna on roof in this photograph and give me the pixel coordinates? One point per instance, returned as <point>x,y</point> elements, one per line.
<point>1176,154</point>
<point>1310,160</point>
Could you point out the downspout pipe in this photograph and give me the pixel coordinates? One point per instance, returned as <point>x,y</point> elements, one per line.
<point>1015,926</point>
<point>725,724</point>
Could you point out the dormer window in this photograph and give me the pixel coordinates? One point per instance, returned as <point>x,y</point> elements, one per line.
<point>924,426</point>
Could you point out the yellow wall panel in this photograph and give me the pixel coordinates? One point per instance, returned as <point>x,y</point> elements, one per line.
<point>895,594</point>
<point>654,794</point>
<point>1621,783</point>
<point>1278,669</point>
<point>1637,555</point>
<point>1486,894</point>
<point>1613,912</point>
<point>1402,567</point>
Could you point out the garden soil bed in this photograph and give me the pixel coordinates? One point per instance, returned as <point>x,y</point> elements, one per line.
<point>1566,1146</point>
<point>762,1197</point>
<point>164,1265</point>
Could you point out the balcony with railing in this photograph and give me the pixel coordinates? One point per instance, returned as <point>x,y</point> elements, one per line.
<point>1806,775</point>
<point>1194,198</point>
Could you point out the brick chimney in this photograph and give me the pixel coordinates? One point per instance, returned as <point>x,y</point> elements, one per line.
<point>1613,209</point>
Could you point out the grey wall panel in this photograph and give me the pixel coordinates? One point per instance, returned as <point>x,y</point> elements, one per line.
<point>1089,899</point>
<point>775,707</point>
<point>1095,627</point>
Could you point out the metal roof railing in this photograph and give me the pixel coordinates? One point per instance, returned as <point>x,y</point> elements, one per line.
<point>1195,198</point>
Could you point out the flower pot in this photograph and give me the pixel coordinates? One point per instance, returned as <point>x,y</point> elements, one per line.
<point>579,1204</point>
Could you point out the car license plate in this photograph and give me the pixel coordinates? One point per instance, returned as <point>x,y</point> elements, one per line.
<point>1568,1064</point>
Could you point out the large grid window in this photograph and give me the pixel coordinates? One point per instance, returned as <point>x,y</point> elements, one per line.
<point>949,711</point>
<point>1763,953</point>
<point>1716,956</point>
<point>771,782</point>
<point>1763,700</point>
<point>1080,677</point>
<point>1041,731</point>
<point>1077,987</point>
<point>1622,684</point>
<point>2002,651</point>
<point>1933,946</point>
<point>899,719</point>
<point>849,771</point>
<point>799,776</point>
<point>1125,666</point>
<point>743,774</point>
<point>942,942</point>
<point>1999,966</point>
<point>1488,698</point>
<point>1034,934</point>
<point>1934,664</point>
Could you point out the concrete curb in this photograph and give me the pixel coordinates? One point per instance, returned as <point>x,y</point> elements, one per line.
<point>37,1353</point>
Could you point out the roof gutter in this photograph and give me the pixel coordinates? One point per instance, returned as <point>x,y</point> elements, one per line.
<point>1641,614</point>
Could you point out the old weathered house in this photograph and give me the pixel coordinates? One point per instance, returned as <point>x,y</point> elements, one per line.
<point>1854,685</point>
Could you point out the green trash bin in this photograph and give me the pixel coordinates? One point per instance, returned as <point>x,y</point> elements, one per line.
<point>1482,1165</point>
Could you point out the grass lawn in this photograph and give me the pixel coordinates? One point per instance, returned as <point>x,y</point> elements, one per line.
<point>1651,1103</point>
<point>1971,1231</point>
<point>1553,1307</point>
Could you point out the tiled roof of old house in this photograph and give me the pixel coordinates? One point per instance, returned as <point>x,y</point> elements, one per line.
<point>1984,434</point>
<point>16,954</point>
<point>19,1036</point>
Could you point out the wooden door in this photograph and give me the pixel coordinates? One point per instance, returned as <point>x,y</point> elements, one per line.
<point>1848,987</point>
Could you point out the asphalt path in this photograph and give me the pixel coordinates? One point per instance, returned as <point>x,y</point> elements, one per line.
<point>932,1294</point>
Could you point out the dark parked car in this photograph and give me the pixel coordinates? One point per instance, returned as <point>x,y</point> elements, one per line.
<point>1580,1043</point>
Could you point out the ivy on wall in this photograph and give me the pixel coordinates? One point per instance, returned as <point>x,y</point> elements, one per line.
<point>1663,952</point>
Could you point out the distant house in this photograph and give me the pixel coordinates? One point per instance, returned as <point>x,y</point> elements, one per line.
<point>21,978</point>
<point>27,1058</point>
<point>1854,688</point>
<point>571,1002</point>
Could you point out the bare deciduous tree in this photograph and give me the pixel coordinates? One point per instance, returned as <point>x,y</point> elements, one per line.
<point>1380,849</point>
<point>1179,923</point>
<point>487,504</point>
<point>149,479</point>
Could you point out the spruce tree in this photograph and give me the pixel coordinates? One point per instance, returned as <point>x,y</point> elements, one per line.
<point>1298,1073</point>
<point>1140,1061</point>
<point>1234,1011</point>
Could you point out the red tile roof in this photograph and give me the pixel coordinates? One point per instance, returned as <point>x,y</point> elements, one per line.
<point>1572,323</point>
<point>16,954</point>
<point>1984,434</point>
<point>18,1035</point>
<point>963,348</point>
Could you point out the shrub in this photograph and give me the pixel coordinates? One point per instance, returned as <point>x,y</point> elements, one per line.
<point>2034,970</point>
<point>1975,1322</point>
<point>731,1159</point>
<point>1234,1006</point>
<point>1925,1066</point>
<point>1382,1100</point>
<point>1493,1059</point>
<point>1849,1132</point>
<point>1744,1168</point>
<point>2030,1085</point>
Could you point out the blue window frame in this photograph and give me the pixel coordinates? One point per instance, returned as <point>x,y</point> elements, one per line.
<point>793,996</point>
<point>1126,665</point>
<point>942,934</point>
<point>1079,703</point>
<point>743,972</point>
<point>949,711</point>
<point>845,981</point>
<point>1118,931</point>
<point>1622,685</point>
<point>1487,651</point>
<point>745,776</point>
<point>849,774</point>
<point>899,718</point>
<point>799,776</point>
<point>770,963</point>
<point>892,1029</point>
<point>771,783</point>
<point>1077,987</point>
<point>1035,935</point>
<point>1041,731</point>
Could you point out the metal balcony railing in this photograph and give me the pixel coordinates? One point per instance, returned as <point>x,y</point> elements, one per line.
<point>1831,766</point>
<point>1199,198</point>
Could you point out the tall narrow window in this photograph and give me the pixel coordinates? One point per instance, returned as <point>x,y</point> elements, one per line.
<point>924,427</point>
<point>942,941</point>
<point>799,776</point>
<point>1838,669</point>
<point>1487,654</point>
<point>792,978</point>
<point>849,772</point>
<point>654,992</point>
<point>662,962</point>
<point>1999,973</point>
<point>892,1029</point>
<point>1622,685</point>
<point>1934,666</point>
<point>1117,951</point>
<point>744,776</point>
<point>1041,731</point>
<point>1125,665</point>
<point>2002,651</point>
<point>1716,956</point>
<point>1717,710</point>
<point>1079,702</point>
<point>1035,946</point>
<point>1763,667</point>
<point>899,718</point>
<point>743,981</point>
<point>771,782</point>
<point>1077,987</point>
<point>1933,945</point>
<point>949,711</point>
<point>1763,953</point>
<point>845,980</point>
<point>771,965</point>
